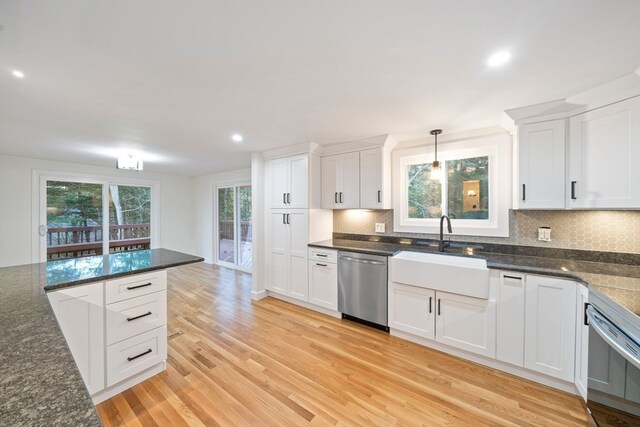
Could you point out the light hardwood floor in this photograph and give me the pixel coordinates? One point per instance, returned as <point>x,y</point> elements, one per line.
<point>239,362</point>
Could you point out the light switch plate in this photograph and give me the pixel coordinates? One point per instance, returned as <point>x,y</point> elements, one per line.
<point>379,227</point>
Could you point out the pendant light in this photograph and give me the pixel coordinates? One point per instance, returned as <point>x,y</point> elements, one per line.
<point>436,170</point>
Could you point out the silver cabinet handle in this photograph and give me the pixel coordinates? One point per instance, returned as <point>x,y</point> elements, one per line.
<point>613,336</point>
<point>362,261</point>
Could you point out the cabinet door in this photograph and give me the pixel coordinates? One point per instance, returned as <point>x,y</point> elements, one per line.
<point>278,176</point>
<point>412,309</point>
<point>466,323</point>
<point>330,182</point>
<point>277,252</point>
<point>510,336</point>
<point>79,311</point>
<point>323,284</point>
<point>550,329</point>
<point>582,341</point>
<point>371,195</point>
<point>604,154</point>
<point>297,228</point>
<point>298,193</point>
<point>541,161</point>
<point>349,181</point>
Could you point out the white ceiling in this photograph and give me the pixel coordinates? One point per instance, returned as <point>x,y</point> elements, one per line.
<point>174,79</point>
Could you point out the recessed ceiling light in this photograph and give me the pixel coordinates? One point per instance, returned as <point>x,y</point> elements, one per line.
<point>236,137</point>
<point>499,58</point>
<point>17,73</point>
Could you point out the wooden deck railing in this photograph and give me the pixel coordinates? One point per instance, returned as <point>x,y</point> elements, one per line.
<point>226,230</point>
<point>69,242</point>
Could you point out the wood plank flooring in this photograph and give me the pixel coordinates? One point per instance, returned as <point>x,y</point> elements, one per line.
<point>244,363</point>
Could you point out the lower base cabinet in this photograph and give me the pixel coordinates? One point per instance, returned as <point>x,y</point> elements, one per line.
<point>111,353</point>
<point>460,321</point>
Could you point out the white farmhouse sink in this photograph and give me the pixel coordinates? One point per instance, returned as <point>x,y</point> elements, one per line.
<point>455,274</point>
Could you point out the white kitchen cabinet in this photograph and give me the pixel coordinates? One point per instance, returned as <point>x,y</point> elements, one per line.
<point>604,154</point>
<point>288,180</point>
<point>550,330</point>
<point>323,278</point>
<point>341,181</point>
<point>510,321</point>
<point>80,314</point>
<point>375,179</point>
<point>459,321</point>
<point>466,323</point>
<point>541,165</point>
<point>582,341</point>
<point>411,309</point>
<point>287,239</point>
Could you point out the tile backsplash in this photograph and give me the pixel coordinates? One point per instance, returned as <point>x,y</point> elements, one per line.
<point>609,231</point>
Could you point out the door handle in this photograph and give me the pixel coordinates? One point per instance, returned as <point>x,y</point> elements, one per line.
<point>139,355</point>
<point>284,198</point>
<point>335,197</point>
<point>379,196</point>
<point>284,218</point>
<point>130,288</point>
<point>362,261</point>
<point>430,301</point>
<point>288,198</point>
<point>438,306</point>
<point>129,319</point>
<point>288,219</point>
<point>341,197</point>
<point>321,265</point>
<point>524,192</point>
<point>573,190</point>
<point>42,230</point>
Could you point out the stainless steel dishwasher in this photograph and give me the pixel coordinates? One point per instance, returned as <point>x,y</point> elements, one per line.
<point>362,287</point>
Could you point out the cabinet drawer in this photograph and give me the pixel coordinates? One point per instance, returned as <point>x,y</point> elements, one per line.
<point>128,357</point>
<point>323,255</point>
<point>135,286</point>
<point>135,316</point>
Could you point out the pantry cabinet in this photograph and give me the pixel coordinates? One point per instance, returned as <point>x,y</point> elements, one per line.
<point>540,180</point>
<point>604,154</point>
<point>287,237</point>
<point>289,182</point>
<point>341,181</point>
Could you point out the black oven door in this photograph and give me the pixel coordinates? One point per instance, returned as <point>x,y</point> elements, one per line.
<point>614,373</point>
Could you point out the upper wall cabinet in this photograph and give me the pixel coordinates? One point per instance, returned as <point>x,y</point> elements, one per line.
<point>604,154</point>
<point>540,180</point>
<point>341,181</point>
<point>357,174</point>
<point>289,182</point>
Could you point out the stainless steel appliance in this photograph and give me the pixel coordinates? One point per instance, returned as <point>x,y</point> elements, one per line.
<point>362,287</point>
<point>613,394</point>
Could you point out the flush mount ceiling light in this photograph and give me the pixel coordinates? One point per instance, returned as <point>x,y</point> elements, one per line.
<point>129,162</point>
<point>17,74</point>
<point>236,137</point>
<point>499,58</point>
<point>436,171</point>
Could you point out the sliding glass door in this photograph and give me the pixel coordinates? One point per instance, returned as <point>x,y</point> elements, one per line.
<point>233,242</point>
<point>83,217</point>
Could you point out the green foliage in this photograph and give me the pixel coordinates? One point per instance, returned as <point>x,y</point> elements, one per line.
<point>225,203</point>
<point>135,204</point>
<point>73,203</point>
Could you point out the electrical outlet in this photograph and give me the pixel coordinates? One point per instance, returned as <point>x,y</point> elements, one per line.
<point>544,234</point>
<point>379,227</point>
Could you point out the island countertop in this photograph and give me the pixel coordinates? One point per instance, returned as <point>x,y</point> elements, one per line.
<point>39,381</point>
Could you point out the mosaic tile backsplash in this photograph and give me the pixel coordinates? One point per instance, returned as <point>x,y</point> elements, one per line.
<point>608,231</point>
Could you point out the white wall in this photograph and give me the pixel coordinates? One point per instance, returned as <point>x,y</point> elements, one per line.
<point>203,207</point>
<point>177,226</point>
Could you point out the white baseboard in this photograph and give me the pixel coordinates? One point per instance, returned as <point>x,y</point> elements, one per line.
<point>319,309</point>
<point>109,392</point>
<point>258,295</point>
<point>491,363</point>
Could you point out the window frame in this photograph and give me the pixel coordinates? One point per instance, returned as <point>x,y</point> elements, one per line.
<point>497,147</point>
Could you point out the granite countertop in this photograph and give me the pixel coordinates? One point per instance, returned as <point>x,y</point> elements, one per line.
<point>619,282</point>
<point>39,381</point>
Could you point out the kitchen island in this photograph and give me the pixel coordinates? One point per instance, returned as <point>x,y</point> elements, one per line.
<point>39,381</point>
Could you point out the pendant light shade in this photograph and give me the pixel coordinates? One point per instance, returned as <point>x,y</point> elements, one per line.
<point>436,170</point>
